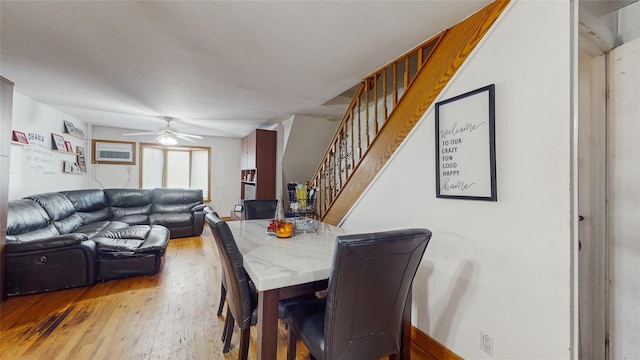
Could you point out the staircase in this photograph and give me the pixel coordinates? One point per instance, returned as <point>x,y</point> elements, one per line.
<point>385,108</point>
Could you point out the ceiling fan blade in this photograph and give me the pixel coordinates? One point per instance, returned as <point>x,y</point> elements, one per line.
<point>189,136</point>
<point>141,133</point>
<point>185,138</point>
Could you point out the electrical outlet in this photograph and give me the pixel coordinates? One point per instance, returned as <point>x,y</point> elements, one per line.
<point>486,343</point>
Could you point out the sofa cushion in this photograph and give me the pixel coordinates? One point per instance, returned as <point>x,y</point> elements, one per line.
<point>45,232</point>
<point>175,200</point>
<point>126,198</point>
<point>117,245</point>
<point>135,219</point>
<point>90,204</point>
<point>56,205</point>
<point>96,227</point>
<point>69,224</point>
<point>156,241</point>
<point>170,220</point>
<point>52,242</point>
<point>26,215</point>
<point>132,239</point>
<point>60,210</point>
<point>98,215</point>
<point>119,213</point>
<point>87,200</point>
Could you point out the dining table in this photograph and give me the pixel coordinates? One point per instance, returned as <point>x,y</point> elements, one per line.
<point>282,268</point>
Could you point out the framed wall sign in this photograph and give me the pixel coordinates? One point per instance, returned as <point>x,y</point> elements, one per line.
<point>465,146</point>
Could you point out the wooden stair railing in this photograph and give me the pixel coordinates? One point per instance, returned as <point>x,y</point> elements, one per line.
<point>386,106</point>
<point>375,98</point>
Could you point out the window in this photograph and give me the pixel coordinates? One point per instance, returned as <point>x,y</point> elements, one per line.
<point>175,167</point>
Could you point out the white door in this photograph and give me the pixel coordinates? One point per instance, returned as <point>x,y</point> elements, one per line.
<point>592,205</point>
<point>623,188</point>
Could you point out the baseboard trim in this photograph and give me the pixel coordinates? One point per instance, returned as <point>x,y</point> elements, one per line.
<point>428,348</point>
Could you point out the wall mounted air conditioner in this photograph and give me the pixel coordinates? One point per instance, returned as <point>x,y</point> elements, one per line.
<point>114,152</point>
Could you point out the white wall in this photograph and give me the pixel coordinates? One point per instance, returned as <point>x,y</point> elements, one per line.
<point>623,131</point>
<point>225,167</point>
<point>304,145</point>
<point>502,268</point>
<point>628,19</point>
<point>36,168</point>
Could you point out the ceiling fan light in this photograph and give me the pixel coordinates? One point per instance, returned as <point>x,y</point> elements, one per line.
<point>167,140</point>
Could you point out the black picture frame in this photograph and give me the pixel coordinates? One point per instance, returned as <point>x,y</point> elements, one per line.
<point>57,142</point>
<point>465,146</point>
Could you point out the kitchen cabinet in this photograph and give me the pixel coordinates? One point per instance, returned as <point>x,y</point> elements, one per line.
<point>258,165</point>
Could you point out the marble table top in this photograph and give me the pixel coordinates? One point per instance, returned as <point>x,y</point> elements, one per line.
<point>274,263</point>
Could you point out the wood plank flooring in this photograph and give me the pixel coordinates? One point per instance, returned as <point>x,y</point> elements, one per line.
<point>171,315</point>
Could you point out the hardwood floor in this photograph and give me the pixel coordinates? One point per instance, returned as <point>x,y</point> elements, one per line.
<point>171,315</point>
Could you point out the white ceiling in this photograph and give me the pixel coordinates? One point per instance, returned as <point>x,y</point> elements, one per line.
<point>223,68</point>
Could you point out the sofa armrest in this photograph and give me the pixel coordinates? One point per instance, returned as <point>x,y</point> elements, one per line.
<point>198,222</point>
<point>46,243</point>
<point>198,207</point>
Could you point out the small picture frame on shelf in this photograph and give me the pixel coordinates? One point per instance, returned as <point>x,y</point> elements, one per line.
<point>68,147</point>
<point>20,137</point>
<point>79,150</point>
<point>57,142</point>
<point>82,163</point>
<point>68,127</point>
<point>71,167</point>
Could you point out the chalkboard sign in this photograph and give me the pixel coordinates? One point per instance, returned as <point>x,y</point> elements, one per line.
<point>465,146</point>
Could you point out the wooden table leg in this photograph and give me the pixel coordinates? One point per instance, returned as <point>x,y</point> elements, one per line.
<point>405,353</point>
<point>267,344</point>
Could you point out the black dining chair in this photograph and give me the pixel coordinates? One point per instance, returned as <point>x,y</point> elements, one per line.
<point>361,316</point>
<point>242,300</point>
<point>241,295</point>
<point>223,283</point>
<point>260,209</point>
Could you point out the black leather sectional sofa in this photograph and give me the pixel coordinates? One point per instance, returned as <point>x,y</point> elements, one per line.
<point>77,238</point>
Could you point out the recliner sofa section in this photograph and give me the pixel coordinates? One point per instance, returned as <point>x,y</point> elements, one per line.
<point>38,258</point>
<point>75,238</point>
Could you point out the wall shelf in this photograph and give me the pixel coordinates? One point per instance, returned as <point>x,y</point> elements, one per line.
<point>65,152</point>
<point>75,136</point>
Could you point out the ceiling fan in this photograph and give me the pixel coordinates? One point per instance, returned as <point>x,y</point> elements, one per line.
<point>167,135</point>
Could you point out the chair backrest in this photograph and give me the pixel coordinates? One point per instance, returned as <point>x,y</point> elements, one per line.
<point>208,210</point>
<point>239,299</point>
<point>368,287</point>
<point>259,209</point>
